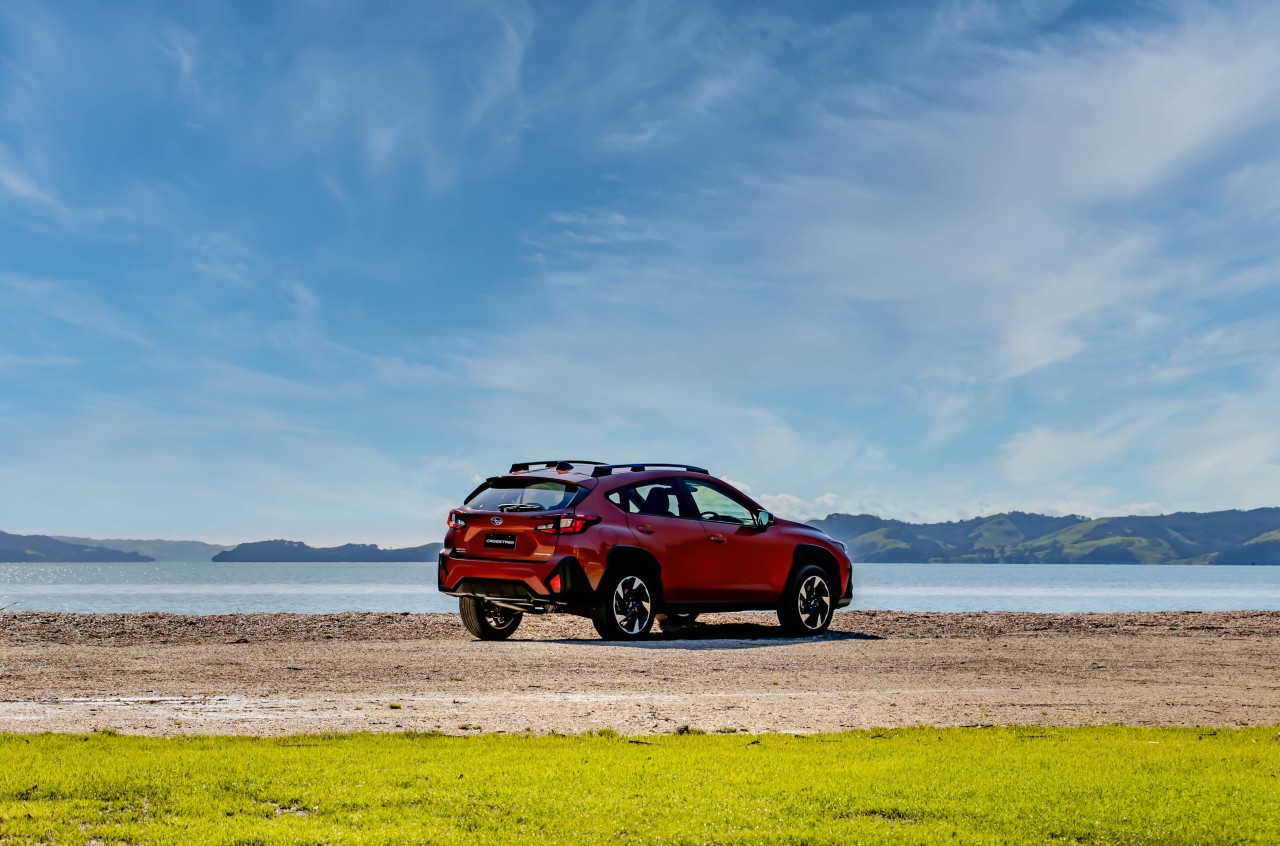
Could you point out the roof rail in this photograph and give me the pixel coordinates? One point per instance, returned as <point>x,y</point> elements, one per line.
<point>559,464</point>
<point>607,469</point>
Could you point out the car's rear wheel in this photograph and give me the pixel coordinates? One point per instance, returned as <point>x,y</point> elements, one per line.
<point>675,623</point>
<point>808,603</point>
<point>486,620</point>
<point>626,609</point>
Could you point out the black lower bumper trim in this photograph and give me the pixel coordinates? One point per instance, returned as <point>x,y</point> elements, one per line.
<point>846,597</point>
<point>496,588</point>
<point>507,594</point>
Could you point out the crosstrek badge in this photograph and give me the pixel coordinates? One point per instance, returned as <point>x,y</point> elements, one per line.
<point>500,541</point>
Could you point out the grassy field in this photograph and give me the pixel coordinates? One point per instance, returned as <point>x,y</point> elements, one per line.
<point>1111,785</point>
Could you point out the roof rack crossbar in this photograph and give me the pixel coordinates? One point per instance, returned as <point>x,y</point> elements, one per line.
<point>607,469</point>
<point>522,466</point>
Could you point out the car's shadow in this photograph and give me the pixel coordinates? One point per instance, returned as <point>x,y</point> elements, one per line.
<point>724,636</point>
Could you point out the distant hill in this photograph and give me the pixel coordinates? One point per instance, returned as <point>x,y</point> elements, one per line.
<point>25,549</point>
<point>161,550</point>
<point>1220,537</point>
<point>285,550</point>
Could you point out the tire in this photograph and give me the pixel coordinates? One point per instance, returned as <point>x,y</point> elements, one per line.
<point>486,620</point>
<point>675,623</point>
<point>626,607</point>
<point>808,603</point>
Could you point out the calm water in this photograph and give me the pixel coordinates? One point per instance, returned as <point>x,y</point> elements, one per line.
<point>208,588</point>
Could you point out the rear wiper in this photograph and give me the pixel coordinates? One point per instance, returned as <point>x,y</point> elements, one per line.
<point>520,506</point>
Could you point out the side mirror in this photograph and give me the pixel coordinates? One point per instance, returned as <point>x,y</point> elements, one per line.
<point>764,519</point>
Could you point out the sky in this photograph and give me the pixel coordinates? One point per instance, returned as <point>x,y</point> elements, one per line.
<point>310,269</point>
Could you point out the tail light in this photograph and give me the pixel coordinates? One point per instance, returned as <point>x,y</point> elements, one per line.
<point>455,520</point>
<point>569,525</point>
<point>554,583</point>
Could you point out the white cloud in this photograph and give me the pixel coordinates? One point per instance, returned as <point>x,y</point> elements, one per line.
<point>1042,456</point>
<point>1253,190</point>
<point>20,185</point>
<point>1223,447</point>
<point>648,75</point>
<point>334,188</point>
<point>446,103</point>
<point>182,48</point>
<point>13,362</point>
<point>62,303</point>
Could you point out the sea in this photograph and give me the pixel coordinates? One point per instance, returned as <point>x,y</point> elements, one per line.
<point>220,588</point>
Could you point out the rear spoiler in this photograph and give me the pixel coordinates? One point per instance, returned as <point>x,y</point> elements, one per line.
<point>607,469</point>
<point>559,464</point>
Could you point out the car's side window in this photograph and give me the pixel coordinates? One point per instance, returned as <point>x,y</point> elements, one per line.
<point>716,504</point>
<point>620,499</point>
<point>656,499</point>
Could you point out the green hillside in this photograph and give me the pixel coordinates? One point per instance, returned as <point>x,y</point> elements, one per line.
<point>25,549</point>
<point>286,550</point>
<point>1221,537</point>
<point>161,550</point>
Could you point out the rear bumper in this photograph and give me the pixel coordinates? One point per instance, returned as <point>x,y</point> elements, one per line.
<point>525,586</point>
<point>456,569</point>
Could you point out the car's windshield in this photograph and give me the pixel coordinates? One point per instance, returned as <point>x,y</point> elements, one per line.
<point>523,495</point>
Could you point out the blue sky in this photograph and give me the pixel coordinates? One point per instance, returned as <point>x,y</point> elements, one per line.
<point>308,269</point>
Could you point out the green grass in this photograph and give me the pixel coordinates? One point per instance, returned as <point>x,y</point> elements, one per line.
<point>1109,785</point>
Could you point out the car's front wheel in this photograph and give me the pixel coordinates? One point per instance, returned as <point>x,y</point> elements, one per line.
<point>626,609</point>
<point>808,603</point>
<point>486,620</point>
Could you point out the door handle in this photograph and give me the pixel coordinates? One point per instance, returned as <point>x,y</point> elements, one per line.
<point>717,538</point>
<point>645,530</point>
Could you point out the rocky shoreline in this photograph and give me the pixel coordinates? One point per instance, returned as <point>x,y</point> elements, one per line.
<point>34,627</point>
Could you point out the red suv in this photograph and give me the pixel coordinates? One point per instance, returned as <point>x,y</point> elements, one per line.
<point>625,544</point>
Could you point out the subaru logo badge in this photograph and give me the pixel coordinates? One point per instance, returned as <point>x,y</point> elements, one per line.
<point>497,521</point>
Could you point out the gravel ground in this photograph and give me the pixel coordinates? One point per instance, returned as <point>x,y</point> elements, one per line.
<point>127,629</point>
<point>292,673</point>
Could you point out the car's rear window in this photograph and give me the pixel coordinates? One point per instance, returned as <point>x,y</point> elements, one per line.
<point>524,495</point>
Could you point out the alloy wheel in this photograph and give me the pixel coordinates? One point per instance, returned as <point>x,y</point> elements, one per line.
<point>814,602</point>
<point>497,616</point>
<point>632,605</point>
